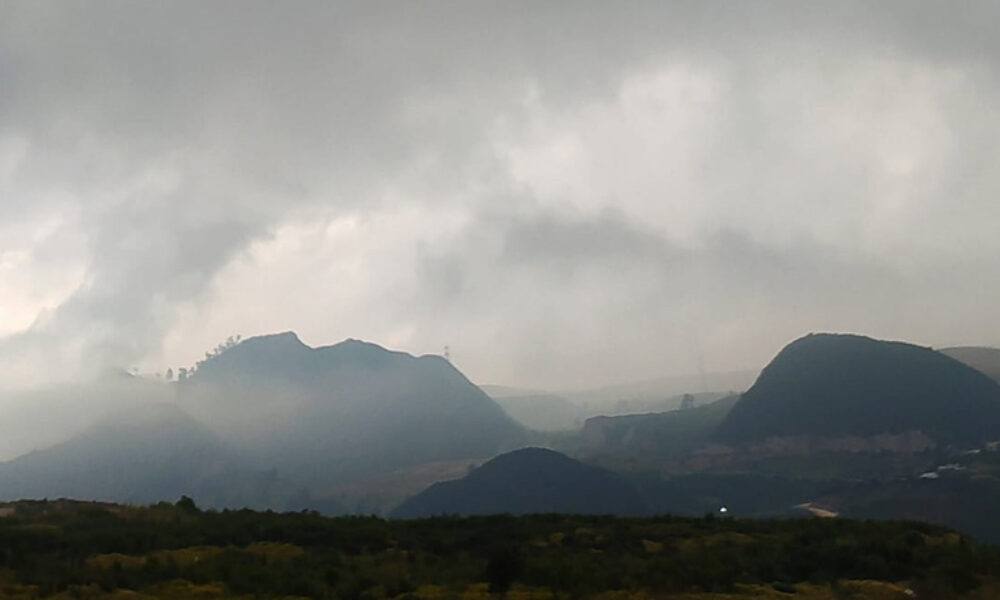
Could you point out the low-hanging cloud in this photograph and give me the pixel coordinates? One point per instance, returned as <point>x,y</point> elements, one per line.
<point>562,192</point>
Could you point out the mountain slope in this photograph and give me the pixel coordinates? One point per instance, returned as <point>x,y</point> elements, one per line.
<point>530,480</point>
<point>329,415</point>
<point>653,435</point>
<point>146,454</point>
<point>848,385</point>
<point>41,417</point>
<point>985,360</point>
<point>541,412</point>
<point>658,395</point>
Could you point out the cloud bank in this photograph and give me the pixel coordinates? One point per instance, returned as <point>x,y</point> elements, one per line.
<point>565,194</point>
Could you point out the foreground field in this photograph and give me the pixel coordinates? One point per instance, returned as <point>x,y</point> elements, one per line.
<point>65,549</point>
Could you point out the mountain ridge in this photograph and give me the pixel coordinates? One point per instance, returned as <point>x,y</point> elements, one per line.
<point>345,410</point>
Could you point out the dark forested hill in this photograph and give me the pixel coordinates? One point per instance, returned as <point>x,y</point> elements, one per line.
<point>849,385</point>
<point>530,480</point>
<point>344,412</point>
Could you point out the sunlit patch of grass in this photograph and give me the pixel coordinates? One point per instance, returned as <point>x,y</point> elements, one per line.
<point>108,561</point>
<point>731,538</point>
<point>181,589</point>
<point>521,592</point>
<point>274,551</point>
<point>183,557</point>
<point>18,592</point>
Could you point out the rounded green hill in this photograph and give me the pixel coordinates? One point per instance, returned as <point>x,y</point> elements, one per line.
<point>849,385</point>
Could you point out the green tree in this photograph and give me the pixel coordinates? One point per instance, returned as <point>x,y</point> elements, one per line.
<point>504,567</point>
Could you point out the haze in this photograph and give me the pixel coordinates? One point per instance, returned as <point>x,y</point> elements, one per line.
<point>566,194</point>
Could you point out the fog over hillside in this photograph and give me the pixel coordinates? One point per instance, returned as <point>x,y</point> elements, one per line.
<point>835,424</point>
<point>342,412</point>
<point>267,422</point>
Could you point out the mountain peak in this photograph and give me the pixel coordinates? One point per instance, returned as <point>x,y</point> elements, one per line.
<point>534,456</point>
<point>283,340</point>
<point>360,352</point>
<point>262,355</point>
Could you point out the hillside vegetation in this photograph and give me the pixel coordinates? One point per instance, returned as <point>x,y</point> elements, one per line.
<point>848,385</point>
<point>530,480</point>
<point>654,436</point>
<point>68,550</point>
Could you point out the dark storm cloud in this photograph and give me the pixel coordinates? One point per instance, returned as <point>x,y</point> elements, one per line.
<point>607,291</point>
<point>720,176</point>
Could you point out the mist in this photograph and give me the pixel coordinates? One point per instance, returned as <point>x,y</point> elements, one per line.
<point>568,195</point>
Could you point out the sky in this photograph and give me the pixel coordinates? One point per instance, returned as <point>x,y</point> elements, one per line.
<point>565,194</point>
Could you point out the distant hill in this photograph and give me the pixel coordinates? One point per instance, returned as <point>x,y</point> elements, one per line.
<point>552,412</point>
<point>568,408</point>
<point>848,385</point>
<point>659,395</point>
<point>984,360</point>
<point>542,412</point>
<point>141,455</point>
<point>530,480</point>
<point>330,415</point>
<point>653,436</point>
<point>506,391</point>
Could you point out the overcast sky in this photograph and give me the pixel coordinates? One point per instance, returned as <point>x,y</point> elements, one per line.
<point>565,193</point>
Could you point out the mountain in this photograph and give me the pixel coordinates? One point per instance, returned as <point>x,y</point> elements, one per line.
<point>40,417</point>
<point>530,480</point>
<point>141,455</point>
<point>836,386</point>
<point>343,413</point>
<point>269,422</point>
<point>984,360</point>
